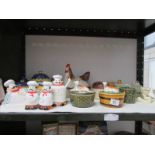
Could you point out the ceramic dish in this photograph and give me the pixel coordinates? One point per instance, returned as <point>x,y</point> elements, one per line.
<point>82,99</point>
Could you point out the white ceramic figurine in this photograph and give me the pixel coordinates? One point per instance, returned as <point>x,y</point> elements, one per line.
<point>59,90</point>
<point>46,97</point>
<point>13,95</point>
<point>32,96</point>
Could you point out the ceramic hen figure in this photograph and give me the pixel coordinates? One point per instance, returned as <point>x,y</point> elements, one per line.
<point>46,97</point>
<point>59,90</point>
<point>32,96</point>
<point>83,79</point>
<point>78,87</point>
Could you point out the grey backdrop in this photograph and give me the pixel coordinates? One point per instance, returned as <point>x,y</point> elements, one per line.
<point>106,58</point>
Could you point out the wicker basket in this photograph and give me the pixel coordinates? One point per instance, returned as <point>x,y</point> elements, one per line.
<point>112,100</point>
<point>82,100</point>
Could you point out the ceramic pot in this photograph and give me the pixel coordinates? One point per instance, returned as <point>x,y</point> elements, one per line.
<point>82,99</point>
<point>130,94</point>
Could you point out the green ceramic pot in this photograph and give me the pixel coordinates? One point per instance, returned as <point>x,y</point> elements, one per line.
<point>82,99</point>
<point>130,94</point>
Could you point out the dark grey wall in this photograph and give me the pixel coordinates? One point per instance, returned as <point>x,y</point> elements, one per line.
<point>11,49</point>
<point>12,43</point>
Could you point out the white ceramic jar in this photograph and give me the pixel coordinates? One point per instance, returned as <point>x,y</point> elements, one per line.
<point>32,96</point>
<point>59,90</point>
<point>46,97</point>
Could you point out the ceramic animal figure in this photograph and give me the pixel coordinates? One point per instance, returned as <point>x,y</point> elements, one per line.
<point>80,88</point>
<point>59,90</point>
<point>147,96</point>
<point>32,96</point>
<point>83,79</point>
<point>46,96</point>
<point>13,92</point>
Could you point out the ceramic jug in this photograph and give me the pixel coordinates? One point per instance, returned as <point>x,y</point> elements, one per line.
<point>59,90</point>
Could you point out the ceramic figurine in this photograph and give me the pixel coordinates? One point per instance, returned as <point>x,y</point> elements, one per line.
<point>32,96</point>
<point>83,79</point>
<point>46,96</point>
<point>11,86</point>
<point>147,96</point>
<point>78,87</point>
<point>59,90</point>
<point>13,92</point>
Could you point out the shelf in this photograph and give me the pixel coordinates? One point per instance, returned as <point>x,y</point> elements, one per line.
<point>138,112</point>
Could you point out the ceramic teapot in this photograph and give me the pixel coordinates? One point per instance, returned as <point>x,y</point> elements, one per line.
<point>59,90</point>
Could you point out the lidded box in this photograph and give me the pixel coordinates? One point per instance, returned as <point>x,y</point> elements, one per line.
<point>111,97</point>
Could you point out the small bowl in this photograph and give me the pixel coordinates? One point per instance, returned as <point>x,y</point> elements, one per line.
<point>82,99</point>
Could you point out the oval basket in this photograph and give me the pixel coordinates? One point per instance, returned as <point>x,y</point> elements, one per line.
<point>105,98</point>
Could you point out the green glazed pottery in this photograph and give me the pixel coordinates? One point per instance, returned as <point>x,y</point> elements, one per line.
<point>82,99</point>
